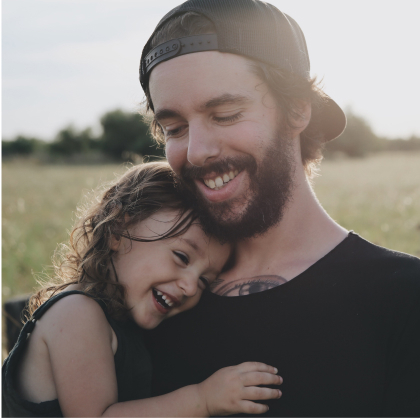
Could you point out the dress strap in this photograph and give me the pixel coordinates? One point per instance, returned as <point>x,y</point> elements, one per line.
<point>30,325</point>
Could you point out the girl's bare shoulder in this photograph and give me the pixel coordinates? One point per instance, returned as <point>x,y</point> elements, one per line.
<point>72,322</point>
<point>73,314</point>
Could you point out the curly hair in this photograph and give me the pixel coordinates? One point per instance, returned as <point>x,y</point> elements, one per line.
<point>87,260</point>
<point>287,88</point>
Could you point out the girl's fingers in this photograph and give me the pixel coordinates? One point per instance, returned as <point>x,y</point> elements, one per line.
<point>257,393</point>
<point>261,378</point>
<point>249,407</point>
<point>256,366</point>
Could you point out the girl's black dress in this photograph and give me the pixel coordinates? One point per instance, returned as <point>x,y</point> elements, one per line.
<point>132,364</point>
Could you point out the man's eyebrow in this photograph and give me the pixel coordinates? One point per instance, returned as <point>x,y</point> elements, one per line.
<point>225,99</point>
<point>162,114</point>
<point>194,245</point>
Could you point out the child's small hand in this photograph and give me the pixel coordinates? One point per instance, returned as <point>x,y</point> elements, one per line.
<point>232,389</point>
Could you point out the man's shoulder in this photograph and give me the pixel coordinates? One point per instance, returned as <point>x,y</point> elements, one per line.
<point>370,263</point>
<point>370,254</point>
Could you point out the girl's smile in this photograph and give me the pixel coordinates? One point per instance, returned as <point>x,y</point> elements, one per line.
<point>165,277</point>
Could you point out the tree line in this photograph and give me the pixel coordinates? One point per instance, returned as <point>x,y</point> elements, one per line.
<point>125,136</point>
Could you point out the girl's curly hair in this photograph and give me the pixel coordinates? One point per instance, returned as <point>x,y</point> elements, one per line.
<point>86,260</point>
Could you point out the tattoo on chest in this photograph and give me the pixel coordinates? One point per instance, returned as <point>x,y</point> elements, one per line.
<point>247,286</point>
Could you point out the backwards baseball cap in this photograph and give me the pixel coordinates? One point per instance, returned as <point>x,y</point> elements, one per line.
<point>250,28</point>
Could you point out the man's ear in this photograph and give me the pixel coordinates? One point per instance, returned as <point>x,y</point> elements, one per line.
<point>115,242</point>
<point>301,121</point>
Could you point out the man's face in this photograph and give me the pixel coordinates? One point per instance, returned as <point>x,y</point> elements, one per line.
<point>223,138</point>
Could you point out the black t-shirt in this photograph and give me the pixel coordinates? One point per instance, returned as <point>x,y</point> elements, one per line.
<point>344,335</point>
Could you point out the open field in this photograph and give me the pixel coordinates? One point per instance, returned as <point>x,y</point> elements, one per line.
<point>377,197</point>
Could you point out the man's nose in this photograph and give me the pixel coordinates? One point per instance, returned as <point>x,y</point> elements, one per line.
<point>188,283</point>
<point>203,146</point>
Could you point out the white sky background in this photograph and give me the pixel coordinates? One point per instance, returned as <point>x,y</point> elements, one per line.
<point>70,61</point>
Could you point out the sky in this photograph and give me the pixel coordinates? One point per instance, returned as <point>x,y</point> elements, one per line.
<point>70,61</point>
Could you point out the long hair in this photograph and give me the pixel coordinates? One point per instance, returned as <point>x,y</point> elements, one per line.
<point>287,88</point>
<point>87,259</point>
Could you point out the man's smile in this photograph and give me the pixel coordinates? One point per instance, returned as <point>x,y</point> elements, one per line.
<point>221,187</point>
<point>217,182</point>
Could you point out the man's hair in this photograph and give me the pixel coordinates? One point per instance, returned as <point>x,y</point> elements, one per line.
<point>288,89</point>
<point>87,260</point>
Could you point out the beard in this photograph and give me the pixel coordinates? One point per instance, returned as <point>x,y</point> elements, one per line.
<point>263,204</point>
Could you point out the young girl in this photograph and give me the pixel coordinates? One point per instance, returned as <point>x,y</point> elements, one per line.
<point>135,258</point>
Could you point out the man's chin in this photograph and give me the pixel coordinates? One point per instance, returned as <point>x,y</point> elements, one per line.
<point>219,217</point>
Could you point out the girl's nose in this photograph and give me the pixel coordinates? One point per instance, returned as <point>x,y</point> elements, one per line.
<point>188,284</point>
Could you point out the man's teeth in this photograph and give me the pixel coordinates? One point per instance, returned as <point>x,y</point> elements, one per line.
<point>219,181</point>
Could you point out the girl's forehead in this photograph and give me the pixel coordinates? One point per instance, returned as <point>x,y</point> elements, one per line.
<point>207,247</point>
<point>194,238</point>
<point>157,224</point>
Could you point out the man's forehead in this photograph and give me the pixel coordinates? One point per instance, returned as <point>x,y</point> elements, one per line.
<point>209,79</point>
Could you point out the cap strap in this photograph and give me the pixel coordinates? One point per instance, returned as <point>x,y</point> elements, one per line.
<point>180,46</point>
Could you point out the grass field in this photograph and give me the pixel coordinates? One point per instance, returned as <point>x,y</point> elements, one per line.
<point>377,197</point>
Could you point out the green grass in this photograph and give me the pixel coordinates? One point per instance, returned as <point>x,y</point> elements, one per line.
<point>378,197</point>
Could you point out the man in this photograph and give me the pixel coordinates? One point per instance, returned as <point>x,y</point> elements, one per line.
<point>243,125</point>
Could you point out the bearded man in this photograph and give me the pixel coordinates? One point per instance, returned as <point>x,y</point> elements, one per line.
<point>228,82</point>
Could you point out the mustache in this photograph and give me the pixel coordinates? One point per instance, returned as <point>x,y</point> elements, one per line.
<point>220,166</point>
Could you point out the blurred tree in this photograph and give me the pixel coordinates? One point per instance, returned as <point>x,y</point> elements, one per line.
<point>357,140</point>
<point>125,134</point>
<point>21,146</point>
<point>69,141</point>
<point>413,143</point>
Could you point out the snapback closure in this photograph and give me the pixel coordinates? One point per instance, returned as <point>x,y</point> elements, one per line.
<point>180,46</point>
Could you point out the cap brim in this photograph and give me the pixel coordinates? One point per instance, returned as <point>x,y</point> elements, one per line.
<point>332,120</point>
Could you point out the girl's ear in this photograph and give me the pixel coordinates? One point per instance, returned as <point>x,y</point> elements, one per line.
<point>115,242</point>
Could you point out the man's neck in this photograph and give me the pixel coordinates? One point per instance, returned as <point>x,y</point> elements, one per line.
<point>305,234</point>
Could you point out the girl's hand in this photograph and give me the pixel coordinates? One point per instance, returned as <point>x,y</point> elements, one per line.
<point>230,390</point>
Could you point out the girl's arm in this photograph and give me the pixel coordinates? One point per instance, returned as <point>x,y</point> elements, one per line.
<point>228,391</point>
<point>79,341</point>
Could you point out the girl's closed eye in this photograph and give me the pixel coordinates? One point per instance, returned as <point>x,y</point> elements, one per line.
<point>183,257</point>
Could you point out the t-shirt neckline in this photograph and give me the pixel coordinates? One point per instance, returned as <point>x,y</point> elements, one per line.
<point>351,235</point>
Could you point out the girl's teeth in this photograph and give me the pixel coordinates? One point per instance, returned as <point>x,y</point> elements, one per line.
<point>158,293</point>
<point>169,303</point>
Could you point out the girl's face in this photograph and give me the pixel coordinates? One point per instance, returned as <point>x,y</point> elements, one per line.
<point>166,277</point>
